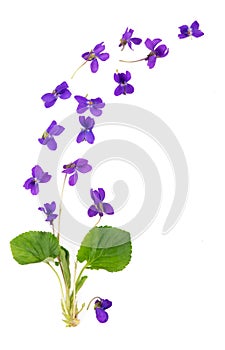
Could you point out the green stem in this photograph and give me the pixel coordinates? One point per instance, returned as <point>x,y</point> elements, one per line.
<point>81,272</point>
<point>142,59</point>
<point>74,290</point>
<point>97,221</point>
<point>60,205</point>
<point>60,283</point>
<point>91,301</point>
<point>72,76</point>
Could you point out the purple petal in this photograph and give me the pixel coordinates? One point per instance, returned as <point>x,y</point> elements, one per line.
<point>85,168</point>
<point>86,55</point>
<point>101,194</point>
<point>34,189</point>
<point>149,44</point>
<point>41,209</point>
<point>136,41</point>
<point>57,130</point>
<point>129,89</point>
<point>51,126</point>
<point>51,217</point>
<point>130,45</point>
<point>52,145</point>
<point>92,211</point>
<point>89,123</point>
<point>156,42</point>
<point>80,162</point>
<point>28,183</point>
<point>197,33</point>
<point>94,66</point>
<point>37,172</point>
<point>89,136</point>
<point>81,99</point>
<point>182,36</point>
<point>99,48</point>
<point>82,108</point>
<point>151,61</point>
<point>103,56</point>
<point>101,315</point>
<point>45,178</point>
<point>66,94</point>
<point>116,77</point>
<point>82,120</point>
<point>48,207</point>
<point>81,137</point>
<point>161,51</point>
<point>118,91</point>
<point>128,76</point>
<point>95,197</point>
<point>96,112</point>
<point>49,99</point>
<point>184,29</point>
<point>194,25</point>
<point>73,179</point>
<point>59,89</point>
<point>44,141</point>
<point>107,208</point>
<point>106,304</point>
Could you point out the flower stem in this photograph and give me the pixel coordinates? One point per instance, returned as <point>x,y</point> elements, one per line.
<point>142,59</point>
<point>98,221</point>
<point>60,283</point>
<point>80,274</point>
<point>74,290</point>
<point>72,76</point>
<point>53,229</point>
<point>91,301</point>
<point>60,206</point>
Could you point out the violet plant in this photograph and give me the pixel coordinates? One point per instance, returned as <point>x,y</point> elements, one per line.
<point>103,247</point>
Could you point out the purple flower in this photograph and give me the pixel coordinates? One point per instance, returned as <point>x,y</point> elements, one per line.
<point>99,207</point>
<point>86,132</point>
<point>48,209</point>
<point>100,307</point>
<point>93,104</point>
<point>48,136</point>
<point>193,30</point>
<point>156,51</point>
<point>60,91</point>
<point>127,39</point>
<point>38,176</point>
<point>123,87</point>
<point>80,165</point>
<point>94,54</point>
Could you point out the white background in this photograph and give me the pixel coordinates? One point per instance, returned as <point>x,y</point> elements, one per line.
<point>172,294</point>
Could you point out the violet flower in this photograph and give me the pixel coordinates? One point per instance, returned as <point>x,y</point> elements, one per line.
<point>94,55</point>
<point>127,39</point>
<point>49,209</point>
<point>100,307</point>
<point>48,136</point>
<point>93,104</point>
<point>60,91</point>
<point>86,133</point>
<point>99,207</point>
<point>156,51</point>
<point>193,30</point>
<point>38,176</point>
<point>123,87</point>
<point>80,165</point>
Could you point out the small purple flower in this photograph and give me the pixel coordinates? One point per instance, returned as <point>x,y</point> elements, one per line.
<point>60,91</point>
<point>127,39</point>
<point>100,307</point>
<point>94,54</point>
<point>193,30</point>
<point>156,52</point>
<point>99,207</point>
<point>49,209</point>
<point>123,88</point>
<point>93,104</point>
<point>38,176</point>
<point>86,133</point>
<point>80,165</point>
<point>48,136</point>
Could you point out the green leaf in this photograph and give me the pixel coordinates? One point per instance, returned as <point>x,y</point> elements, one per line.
<point>80,283</point>
<point>34,246</point>
<point>107,248</point>
<point>65,263</point>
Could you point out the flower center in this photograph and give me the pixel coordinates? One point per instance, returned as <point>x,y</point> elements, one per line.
<point>71,165</point>
<point>45,135</point>
<point>189,32</point>
<point>91,56</point>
